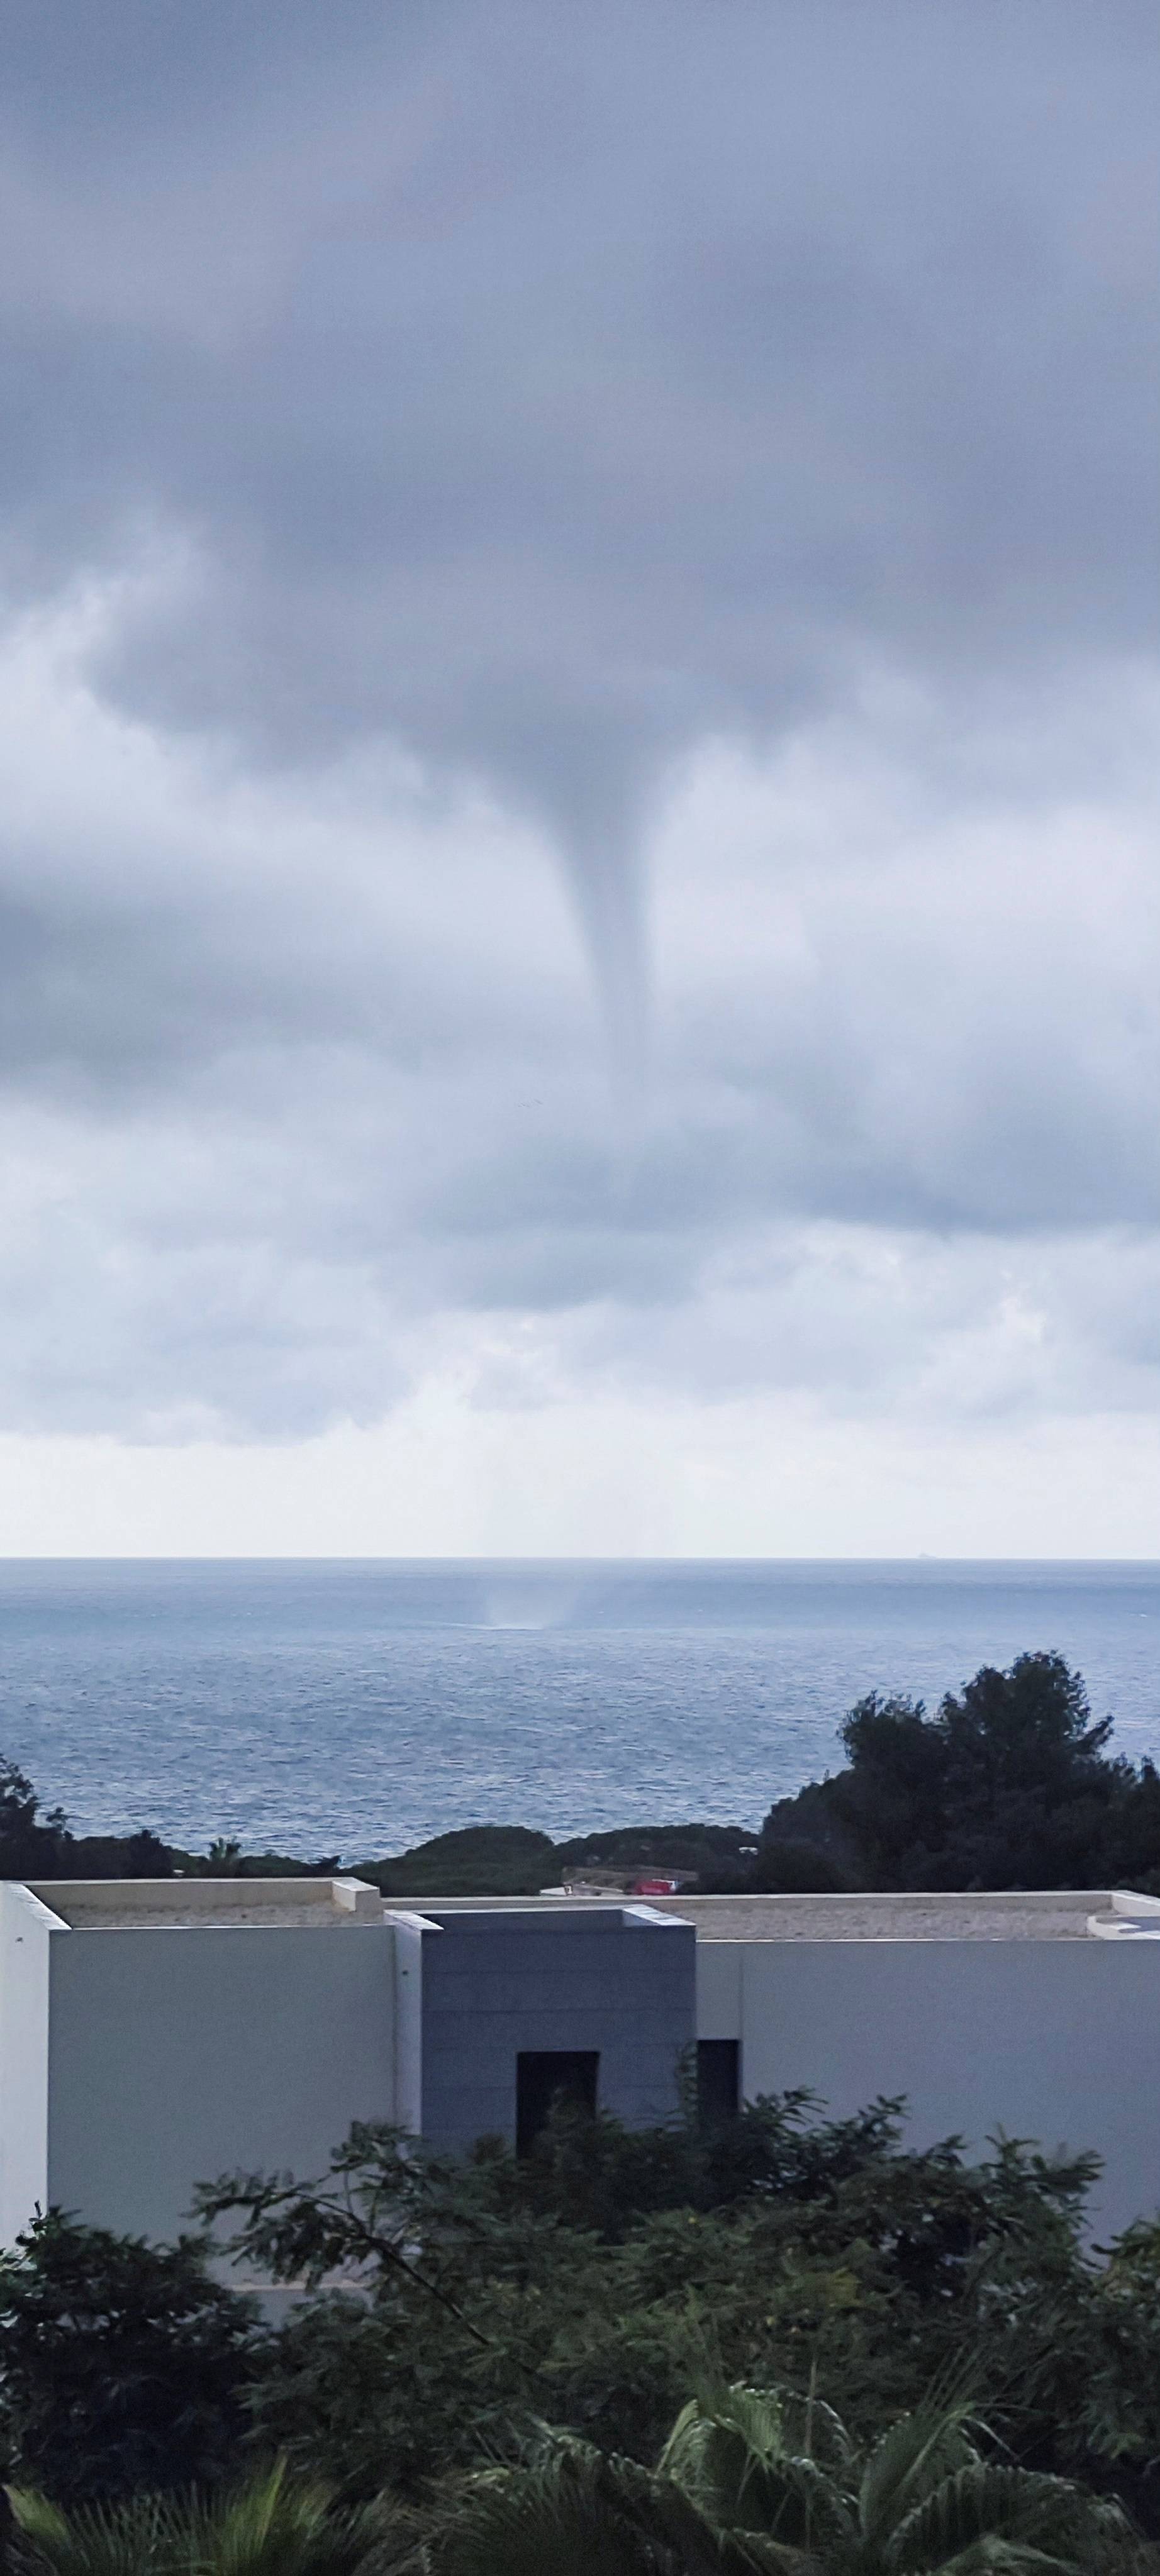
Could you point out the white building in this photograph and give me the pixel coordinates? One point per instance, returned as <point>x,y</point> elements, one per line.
<point>154,2034</point>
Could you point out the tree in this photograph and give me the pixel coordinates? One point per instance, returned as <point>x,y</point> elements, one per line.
<point>757,2480</point>
<point>122,2364</point>
<point>593,2284</point>
<point>1009,1784</point>
<point>35,1844</point>
<point>30,1843</point>
<point>444,2307</point>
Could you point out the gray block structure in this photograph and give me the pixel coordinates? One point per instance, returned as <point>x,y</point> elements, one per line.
<point>615,1982</point>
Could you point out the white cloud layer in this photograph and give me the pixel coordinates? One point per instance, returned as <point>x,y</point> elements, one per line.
<point>577,785</point>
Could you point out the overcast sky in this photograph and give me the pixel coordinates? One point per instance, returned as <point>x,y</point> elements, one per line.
<point>579,945</point>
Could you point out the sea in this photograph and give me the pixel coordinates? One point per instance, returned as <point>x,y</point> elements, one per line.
<point>355,1708</point>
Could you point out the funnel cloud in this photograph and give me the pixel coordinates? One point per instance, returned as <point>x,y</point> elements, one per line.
<point>580,654</point>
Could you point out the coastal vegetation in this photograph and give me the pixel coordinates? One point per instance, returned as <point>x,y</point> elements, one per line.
<point>1010,1782</point>
<point>769,2342</point>
<point>593,2356</point>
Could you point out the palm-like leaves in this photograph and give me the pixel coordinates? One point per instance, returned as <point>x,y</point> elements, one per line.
<point>568,2508</point>
<point>273,2526</point>
<point>133,2539</point>
<point>751,2482</point>
<point>1026,2519</point>
<point>759,2483</point>
<point>761,2461</point>
<point>921,2453</point>
<point>926,2501</point>
<point>571,2510</point>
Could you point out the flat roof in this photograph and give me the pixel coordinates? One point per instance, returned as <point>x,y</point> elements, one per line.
<point>218,1904</point>
<point>1005,1915</point>
<point>317,1904</point>
<point>1016,1917</point>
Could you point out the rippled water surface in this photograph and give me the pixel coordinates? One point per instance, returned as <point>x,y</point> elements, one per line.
<point>326,1707</point>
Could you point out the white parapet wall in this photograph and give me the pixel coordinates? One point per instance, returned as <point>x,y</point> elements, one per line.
<point>409,1932</point>
<point>188,2029</point>
<point>26,1929</point>
<point>1132,1918</point>
<point>1053,2039</point>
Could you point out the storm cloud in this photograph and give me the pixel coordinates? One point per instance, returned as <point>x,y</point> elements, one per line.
<point>579,694</point>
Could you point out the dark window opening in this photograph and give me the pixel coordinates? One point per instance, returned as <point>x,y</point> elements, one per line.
<point>718,2081</point>
<point>543,2075</point>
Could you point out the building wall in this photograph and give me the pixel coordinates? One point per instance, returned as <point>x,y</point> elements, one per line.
<point>410,1933</point>
<point>719,1989</point>
<point>136,2062</point>
<point>1053,2040</point>
<point>26,1931</point>
<point>177,2055</point>
<point>498,1983</point>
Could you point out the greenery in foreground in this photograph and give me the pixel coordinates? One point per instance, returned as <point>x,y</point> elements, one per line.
<point>768,2479</point>
<point>1010,1783</point>
<point>449,2311</point>
<point>748,2480</point>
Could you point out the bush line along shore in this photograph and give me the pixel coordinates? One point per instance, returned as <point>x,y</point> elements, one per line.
<point>1008,1783</point>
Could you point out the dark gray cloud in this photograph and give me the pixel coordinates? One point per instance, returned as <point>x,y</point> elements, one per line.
<point>707,449</point>
<point>549,385</point>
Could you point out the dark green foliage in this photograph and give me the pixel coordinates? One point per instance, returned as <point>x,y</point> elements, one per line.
<point>482,1860</point>
<point>122,2364</point>
<point>450,2307</point>
<point>511,1860</point>
<point>140,1855</point>
<point>705,1849</point>
<point>274,2525</point>
<point>764,2479</point>
<point>226,1859</point>
<point>593,2285</point>
<point>1009,1784</point>
<point>39,1845</point>
<point>787,1864</point>
<point>30,1843</point>
<point>34,1844</point>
